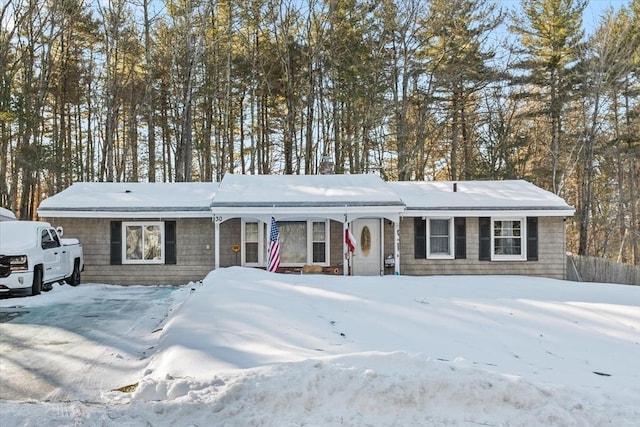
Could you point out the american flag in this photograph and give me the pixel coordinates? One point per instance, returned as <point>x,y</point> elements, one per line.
<point>274,247</point>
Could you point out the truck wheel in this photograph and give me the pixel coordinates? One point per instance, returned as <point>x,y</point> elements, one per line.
<point>36,286</point>
<point>74,279</point>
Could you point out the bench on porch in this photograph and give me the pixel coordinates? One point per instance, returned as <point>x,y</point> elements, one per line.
<point>312,269</point>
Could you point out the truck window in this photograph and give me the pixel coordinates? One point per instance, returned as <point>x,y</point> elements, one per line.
<point>54,235</point>
<point>47,240</point>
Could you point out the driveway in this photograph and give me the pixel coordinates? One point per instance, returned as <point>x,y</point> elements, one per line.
<point>77,343</point>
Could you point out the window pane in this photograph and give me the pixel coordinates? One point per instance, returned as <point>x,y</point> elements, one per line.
<point>47,243</point>
<point>319,254</point>
<point>516,228</point>
<point>134,242</point>
<point>54,236</point>
<point>439,237</point>
<point>507,228</point>
<point>439,227</point>
<point>319,242</point>
<point>508,246</point>
<point>251,252</point>
<point>152,243</point>
<point>440,245</point>
<point>318,231</point>
<point>293,242</point>
<point>251,231</point>
<point>251,242</point>
<point>507,237</point>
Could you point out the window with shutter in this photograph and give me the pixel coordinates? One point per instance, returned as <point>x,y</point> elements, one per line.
<point>508,239</point>
<point>440,238</point>
<point>141,242</point>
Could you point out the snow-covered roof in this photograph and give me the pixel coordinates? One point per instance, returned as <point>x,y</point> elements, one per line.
<point>131,200</point>
<point>328,196</point>
<point>332,196</point>
<point>474,198</point>
<point>6,214</point>
<point>304,190</point>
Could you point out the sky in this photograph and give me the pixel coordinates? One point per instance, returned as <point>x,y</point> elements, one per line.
<point>250,348</point>
<point>592,14</point>
<point>596,8</point>
<point>591,19</point>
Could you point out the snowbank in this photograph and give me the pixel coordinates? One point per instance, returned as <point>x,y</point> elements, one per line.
<point>252,348</point>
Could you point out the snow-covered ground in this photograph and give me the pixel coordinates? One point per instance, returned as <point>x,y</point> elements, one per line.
<point>251,348</point>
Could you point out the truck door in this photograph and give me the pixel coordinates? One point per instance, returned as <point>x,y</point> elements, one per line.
<point>63,255</point>
<point>51,250</point>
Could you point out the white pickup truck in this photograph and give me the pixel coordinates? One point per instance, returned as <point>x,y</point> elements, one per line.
<point>33,257</point>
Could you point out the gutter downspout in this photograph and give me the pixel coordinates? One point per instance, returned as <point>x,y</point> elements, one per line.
<point>396,246</point>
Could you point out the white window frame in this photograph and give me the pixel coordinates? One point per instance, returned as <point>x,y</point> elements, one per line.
<point>309,258</point>
<point>243,251</point>
<point>142,224</point>
<point>312,241</point>
<point>523,240</point>
<point>451,254</point>
<point>262,243</point>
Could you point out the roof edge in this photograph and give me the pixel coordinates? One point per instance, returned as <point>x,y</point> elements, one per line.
<point>215,205</point>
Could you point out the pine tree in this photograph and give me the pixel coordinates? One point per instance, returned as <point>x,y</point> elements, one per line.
<point>459,57</point>
<point>551,38</point>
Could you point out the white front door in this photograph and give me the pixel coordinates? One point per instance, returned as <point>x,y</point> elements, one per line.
<point>367,258</point>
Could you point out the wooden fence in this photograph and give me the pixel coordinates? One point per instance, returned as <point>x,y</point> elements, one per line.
<point>592,269</point>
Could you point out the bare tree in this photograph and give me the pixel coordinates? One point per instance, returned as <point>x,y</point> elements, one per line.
<point>115,15</point>
<point>606,70</point>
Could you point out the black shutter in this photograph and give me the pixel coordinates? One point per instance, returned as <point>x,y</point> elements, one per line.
<point>532,238</point>
<point>484,233</point>
<point>460,237</point>
<point>420,237</point>
<point>170,242</point>
<point>116,243</point>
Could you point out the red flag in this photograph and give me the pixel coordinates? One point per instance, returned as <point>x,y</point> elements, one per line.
<point>350,240</point>
<point>273,263</point>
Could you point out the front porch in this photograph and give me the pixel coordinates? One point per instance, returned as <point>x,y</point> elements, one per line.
<point>311,245</point>
<point>313,214</point>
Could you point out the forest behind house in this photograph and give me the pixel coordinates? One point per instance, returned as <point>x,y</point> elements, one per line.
<point>188,90</point>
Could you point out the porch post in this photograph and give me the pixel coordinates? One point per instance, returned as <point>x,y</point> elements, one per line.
<point>216,251</point>
<point>345,260</point>
<point>396,246</point>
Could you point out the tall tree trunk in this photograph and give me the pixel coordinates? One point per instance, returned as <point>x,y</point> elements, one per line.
<point>454,140</point>
<point>133,140</point>
<point>635,224</point>
<point>184,147</point>
<point>149,95</point>
<point>228,104</point>
<point>633,146</point>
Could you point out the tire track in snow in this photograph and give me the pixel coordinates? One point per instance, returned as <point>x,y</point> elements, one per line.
<point>105,340</point>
